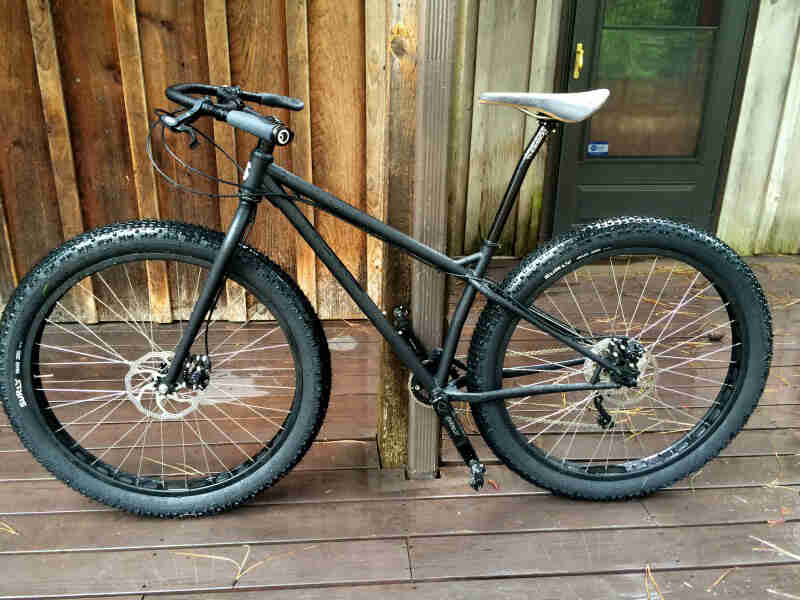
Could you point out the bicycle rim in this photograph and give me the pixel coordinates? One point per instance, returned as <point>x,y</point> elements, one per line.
<point>691,367</point>
<point>92,372</point>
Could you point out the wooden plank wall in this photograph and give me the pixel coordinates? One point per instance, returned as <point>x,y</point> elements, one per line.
<point>500,46</point>
<point>760,209</point>
<point>83,77</point>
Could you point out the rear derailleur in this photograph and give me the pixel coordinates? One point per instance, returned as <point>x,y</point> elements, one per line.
<point>627,356</point>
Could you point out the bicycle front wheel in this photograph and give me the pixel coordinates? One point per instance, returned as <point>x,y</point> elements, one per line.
<point>89,331</point>
<point>675,303</point>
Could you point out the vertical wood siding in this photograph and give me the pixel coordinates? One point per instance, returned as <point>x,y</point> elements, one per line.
<point>500,46</point>
<point>761,203</point>
<point>84,77</point>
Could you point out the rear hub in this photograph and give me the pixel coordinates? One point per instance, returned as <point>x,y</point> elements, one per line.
<point>636,370</point>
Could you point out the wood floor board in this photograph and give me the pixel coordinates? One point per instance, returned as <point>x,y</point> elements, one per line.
<point>745,583</point>
<point>573,553</point>
<point>154,571</point>
<point>374,485</point>
<point>344,454</point>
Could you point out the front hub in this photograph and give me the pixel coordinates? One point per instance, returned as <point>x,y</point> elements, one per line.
<point>144,387</point>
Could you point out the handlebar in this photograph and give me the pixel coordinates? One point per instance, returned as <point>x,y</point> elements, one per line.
<point>231,109</point>
<point>179,93</point>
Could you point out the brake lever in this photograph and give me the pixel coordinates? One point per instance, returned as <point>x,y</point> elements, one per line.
<point>175,122</point>
<point>189,130</point>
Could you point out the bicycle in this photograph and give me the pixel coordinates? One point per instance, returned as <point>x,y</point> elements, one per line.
<point>655,355</point>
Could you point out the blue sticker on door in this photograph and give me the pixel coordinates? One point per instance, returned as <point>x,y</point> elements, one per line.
<point>597,149</point>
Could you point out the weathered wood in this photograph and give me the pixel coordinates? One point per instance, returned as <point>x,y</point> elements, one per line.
<point>322,455</point>
<point>261,67</point>
<point>336,485</point>
<point>466,39</point>
<point>219,73</point>
<point>169,29</point>
<point>434,76</point>
<point>502,63</point>
<point>31,206</point>
<point>90,75</point>
<point>570,553</point>
<point>338,137</point>
<point>546,31</point>
<point>154,571</point>
<point>393,393</point>
<point>743,583</point>
<point>131,71</point>
<point>777,227</point>
<point>8,270</point>
<point>754,155</point>
<point>61,158</point>
<point>376,42</point>
<point>746,443</point>
<point>257,524</point>
<point>55,116</point>
<point>297,58</point>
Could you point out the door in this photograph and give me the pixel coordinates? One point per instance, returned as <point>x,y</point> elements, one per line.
<point>654,149</point>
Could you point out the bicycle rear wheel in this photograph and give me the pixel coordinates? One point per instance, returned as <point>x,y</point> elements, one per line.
<point>689,314</point>
<point>88,333</point>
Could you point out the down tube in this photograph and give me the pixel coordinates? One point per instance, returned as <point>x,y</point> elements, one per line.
<point>357,293</point>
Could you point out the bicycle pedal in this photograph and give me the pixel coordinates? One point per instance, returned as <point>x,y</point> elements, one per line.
<point>477,470</point>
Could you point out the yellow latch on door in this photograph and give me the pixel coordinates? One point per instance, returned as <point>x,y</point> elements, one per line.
<point>576,74</point>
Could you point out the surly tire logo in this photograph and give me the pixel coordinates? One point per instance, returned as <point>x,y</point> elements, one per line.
<point>18,377</point>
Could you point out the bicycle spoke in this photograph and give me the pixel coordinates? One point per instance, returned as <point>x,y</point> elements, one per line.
<point>639,301</point>
<point>646,419</point>
<point>578,306</point>
<point>92,376</point>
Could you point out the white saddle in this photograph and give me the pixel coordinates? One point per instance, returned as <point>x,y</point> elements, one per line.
<point>570,108</point>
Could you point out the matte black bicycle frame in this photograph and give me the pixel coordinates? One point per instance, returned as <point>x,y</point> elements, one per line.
<point>263,178</point>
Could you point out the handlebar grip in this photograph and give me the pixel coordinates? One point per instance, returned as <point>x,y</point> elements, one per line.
<point>250,123</point>
<point>275,132</point>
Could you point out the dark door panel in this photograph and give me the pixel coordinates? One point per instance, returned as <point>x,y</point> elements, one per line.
<point>655,148</point>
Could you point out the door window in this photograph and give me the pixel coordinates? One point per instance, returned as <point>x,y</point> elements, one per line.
<point>655,57</point>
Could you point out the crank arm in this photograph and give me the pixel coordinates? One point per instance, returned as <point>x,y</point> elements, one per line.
<point>460,440</point>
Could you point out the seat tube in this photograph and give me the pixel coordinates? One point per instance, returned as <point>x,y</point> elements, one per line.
<point>545,128</point>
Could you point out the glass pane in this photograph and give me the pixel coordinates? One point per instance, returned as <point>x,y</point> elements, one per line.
<point>662,12</point>
<point>657,80</point>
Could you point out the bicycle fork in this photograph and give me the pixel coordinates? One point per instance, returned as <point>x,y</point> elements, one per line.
<point>208,295</point>
<point>245,214</point>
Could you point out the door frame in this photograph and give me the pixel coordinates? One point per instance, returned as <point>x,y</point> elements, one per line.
<point>564,71</point>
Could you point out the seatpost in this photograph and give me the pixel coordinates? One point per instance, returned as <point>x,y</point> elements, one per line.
<point>249,197</point>
<point>542,133</point>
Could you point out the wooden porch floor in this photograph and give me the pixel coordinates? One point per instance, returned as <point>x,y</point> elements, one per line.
<point>340,527</point>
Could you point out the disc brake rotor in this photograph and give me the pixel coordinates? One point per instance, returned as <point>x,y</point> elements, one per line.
<point>624,397</point>
<point>141,385</point>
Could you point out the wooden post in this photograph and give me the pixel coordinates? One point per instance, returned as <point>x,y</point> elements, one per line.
<point>428,297</point>
<point>400,46</point>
